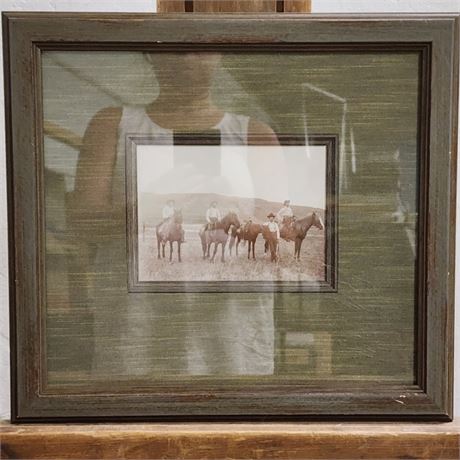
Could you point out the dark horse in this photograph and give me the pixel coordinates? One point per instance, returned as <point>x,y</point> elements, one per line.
<point>236,235</point>
<point>170,230</point>
<point>248,232</point>
<point>297,230</point>
<point>218,235</point>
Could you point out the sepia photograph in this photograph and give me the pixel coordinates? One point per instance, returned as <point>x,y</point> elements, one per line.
<point>210,211</point>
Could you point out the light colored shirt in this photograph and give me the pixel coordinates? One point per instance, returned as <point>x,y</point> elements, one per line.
<point>168,211</point>
<point>213,214</point>
<point>273,227</point>
<point>285,211</point>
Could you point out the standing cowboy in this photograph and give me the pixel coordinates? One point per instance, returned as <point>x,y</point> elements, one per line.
<point>213,216</point>
<point>273,228</point>
<point>285,212</point>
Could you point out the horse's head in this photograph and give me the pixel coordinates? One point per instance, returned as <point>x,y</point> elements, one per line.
<point>178,216</point>
<point>232,219</point>
<point>317,221</point>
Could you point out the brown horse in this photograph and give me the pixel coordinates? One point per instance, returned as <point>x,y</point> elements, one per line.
<point>170,230</point>
<point>217,235</point>
<point>250,233</point>
<point>236,235</point>
<point>297,230</point>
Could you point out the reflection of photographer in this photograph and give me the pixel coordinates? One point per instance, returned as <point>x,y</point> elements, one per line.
<point>134,333</point>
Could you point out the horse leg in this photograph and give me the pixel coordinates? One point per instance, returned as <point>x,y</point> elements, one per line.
<point>249,249</point>
<point>203,243</point>
<point>163,244</point>
<point>254,249</point>
<point>237,244</point>
<point>272,251</point>
<point>214,253</point>
<point>158,247</point>
<point>223,253</point>
<point>170,250</point>
<point>178,251</point>
<point>299,248</point>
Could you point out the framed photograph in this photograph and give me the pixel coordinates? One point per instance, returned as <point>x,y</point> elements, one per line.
<point>176,191</point>
<point>231,217</point>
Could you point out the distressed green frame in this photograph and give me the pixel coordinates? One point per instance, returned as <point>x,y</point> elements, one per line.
<point>435,37</point>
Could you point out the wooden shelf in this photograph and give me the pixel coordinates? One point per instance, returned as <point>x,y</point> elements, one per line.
<point>241,441</point>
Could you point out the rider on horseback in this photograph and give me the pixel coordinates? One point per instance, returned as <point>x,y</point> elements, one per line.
<point>285,212</point>
<point>213,216</point>
<point>285,217</point>
<point>168,212</point>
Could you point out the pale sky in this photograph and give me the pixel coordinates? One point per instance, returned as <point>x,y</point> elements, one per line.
<point>272,173</point>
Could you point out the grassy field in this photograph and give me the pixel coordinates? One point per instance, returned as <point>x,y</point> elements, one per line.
<point>235,268</point>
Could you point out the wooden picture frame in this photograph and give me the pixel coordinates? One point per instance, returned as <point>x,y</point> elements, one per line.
<point>428,397</point>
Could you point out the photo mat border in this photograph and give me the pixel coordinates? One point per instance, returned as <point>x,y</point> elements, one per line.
<point>329,284</point>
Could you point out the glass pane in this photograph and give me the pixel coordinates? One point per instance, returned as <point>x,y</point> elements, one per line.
<point>201,148</point>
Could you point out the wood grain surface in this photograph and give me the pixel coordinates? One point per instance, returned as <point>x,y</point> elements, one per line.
<point>235,6</point>
<point>242,441</point>
<point>170,6</point>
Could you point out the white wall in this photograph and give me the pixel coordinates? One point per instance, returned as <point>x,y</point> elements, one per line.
<point>319,6</point>
<point>386,6</point>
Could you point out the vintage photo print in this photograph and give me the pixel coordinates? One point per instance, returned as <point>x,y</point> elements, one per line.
<point>207,214</point>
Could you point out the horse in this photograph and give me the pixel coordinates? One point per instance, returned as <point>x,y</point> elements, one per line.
<point>170,230</point>
<point>236,235</point>
<point>247,232</point>
<point>218,235</point>
<point>297,230</point>
<point>250,233</point>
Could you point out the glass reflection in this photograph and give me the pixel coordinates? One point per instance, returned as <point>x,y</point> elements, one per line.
<point>99,331</point>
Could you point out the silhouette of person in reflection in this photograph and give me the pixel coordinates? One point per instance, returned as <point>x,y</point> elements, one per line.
<point>164,334</point>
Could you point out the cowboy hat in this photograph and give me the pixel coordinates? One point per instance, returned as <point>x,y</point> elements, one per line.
<point>271,215</point>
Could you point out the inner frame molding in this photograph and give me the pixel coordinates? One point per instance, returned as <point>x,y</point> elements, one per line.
<point>328,284</point>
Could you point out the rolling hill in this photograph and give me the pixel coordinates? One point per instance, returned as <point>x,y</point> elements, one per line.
<point>194,207</point>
